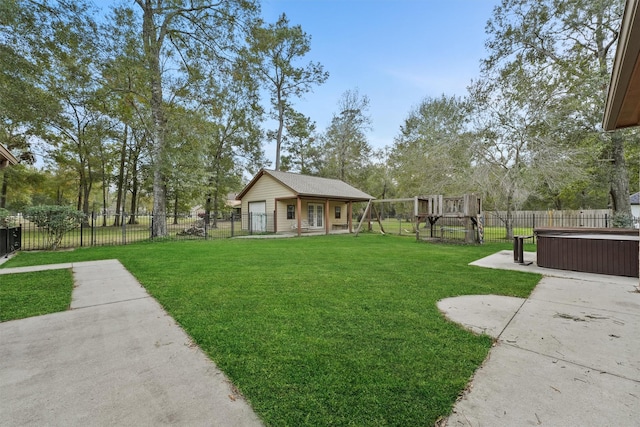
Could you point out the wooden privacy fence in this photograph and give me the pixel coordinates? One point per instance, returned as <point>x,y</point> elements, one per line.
<point>592,218</point>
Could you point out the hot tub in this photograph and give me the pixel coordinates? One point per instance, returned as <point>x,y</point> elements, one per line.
<point>611,251</point>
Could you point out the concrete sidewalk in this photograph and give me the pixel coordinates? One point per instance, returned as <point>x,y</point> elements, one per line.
<point>115,358</point>
<point>569,355</point>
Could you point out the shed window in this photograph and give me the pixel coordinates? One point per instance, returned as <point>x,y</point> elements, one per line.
<point>291,212</point>
<point>338,212</point>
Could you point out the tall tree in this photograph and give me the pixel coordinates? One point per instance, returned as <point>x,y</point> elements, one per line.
<point>186,142</point>
<point>301,145</point>
<point>180,33</point>
<point>233,138</point>
<point>432,153</point>
<point>568,43</point>
<point>346,148</point>
<point>276,48</point>
<point>517,144</point>
<point>125,93</point>
<point>381,179</point>
<point>81,129</point>
<point>25,105</point>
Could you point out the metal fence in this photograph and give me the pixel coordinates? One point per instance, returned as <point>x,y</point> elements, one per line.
<point>494,224</point>
<point>109,229</point>
<point>10,239</point>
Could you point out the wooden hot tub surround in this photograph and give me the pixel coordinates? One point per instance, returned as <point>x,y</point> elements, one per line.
<point>612,251</point>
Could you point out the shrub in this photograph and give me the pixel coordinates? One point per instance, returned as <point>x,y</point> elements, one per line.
<point>4,218</point>
<point>621,220</point>
<point>55,221</point>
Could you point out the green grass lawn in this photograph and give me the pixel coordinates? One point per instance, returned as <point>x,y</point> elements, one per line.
<point>330,330</point>
<point>33,294</point>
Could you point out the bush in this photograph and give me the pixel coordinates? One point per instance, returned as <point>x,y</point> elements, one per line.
<point>55,221</point>
<point>4,218</point>
<point>621,220</point>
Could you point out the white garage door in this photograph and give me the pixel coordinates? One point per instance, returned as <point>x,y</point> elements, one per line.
<point>258,217</point>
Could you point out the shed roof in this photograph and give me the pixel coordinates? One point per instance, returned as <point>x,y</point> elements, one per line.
<point>634,199</point>
<point>6,158</point>
<point>310,186</point>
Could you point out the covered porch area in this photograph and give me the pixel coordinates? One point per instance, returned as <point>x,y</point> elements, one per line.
<point>316,215</point>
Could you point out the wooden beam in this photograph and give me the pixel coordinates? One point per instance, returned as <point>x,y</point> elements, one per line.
<point>326,216</point>
<point>350,216</point>
<point>299,213</point>
<point>364,215</point>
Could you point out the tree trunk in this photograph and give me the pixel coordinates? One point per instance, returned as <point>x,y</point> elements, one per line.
<point>3,193</point>
<point>619,185</point>
<point>280,129</point>
<point>104,205</point>
<point>79,203</point>
<point>152,43</point>
<point>86,189</point>
<point>175,210</point>
<point>134,195</point>
<point>216,198</point>
<point>120,182</point>
<point>105,187</point>
<point>508,222</point>
<point>207,210</point>
<point>135,184</point>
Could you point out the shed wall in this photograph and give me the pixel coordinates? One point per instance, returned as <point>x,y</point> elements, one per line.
<point>285,224</point>
<point>265,189</point>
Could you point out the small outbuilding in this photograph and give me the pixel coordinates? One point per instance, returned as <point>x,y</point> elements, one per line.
<point>276,201</point>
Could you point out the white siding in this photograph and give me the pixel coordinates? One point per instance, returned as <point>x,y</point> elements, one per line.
<point>265,189</point>
<point>285,224</point>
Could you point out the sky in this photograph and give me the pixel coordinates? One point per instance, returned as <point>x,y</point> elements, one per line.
<point>396,52</point>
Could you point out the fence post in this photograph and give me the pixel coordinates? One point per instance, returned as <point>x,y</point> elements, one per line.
<point>533,228</point>
<point>4,250</point>
<point>233,216</point>
<point>606,220</point>
<point>19,238</point>
<point>93,229</point>
<point>81,231</point>
<point>124,229</point>
<point>151,227</point>
<point>206,225</point>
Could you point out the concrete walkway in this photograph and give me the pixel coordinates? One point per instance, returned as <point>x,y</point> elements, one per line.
<point>569,355</point>
<point>115,358</point>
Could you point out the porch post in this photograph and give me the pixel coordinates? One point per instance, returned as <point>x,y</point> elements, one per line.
<point>350,216</point>
<point>299,214</point>
<point>326,216</point>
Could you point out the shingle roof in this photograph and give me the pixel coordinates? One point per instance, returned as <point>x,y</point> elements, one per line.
<point>305,185</point>
<point>635,198</point>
